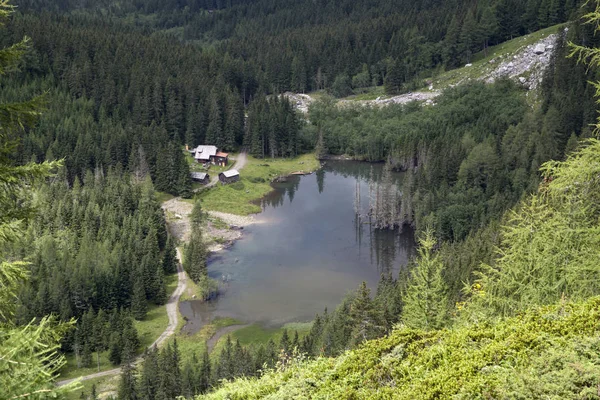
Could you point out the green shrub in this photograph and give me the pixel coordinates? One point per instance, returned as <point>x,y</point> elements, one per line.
<point>239,185</point>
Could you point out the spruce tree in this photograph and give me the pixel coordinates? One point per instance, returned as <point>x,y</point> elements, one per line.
<point>426,299</point>
<point>148,385</point>
<point>169,261</point>
<point>366,318</point>
<point>284,343</point>
<point>29,359</point>
<point>195,250</point>
<point>127,385</point>
<point>115,348</point>
<point>205,375</point>
<point>394,78</point>
<point>139,306</point>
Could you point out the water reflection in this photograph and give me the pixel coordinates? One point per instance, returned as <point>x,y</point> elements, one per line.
<point>307,251</point>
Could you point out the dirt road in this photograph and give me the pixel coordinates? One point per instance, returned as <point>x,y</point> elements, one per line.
<point>172,304</point>
<point>240,162</point>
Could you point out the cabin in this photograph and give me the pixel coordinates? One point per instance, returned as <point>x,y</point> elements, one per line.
<point>221,159</point>
<point>209,155</point>
<point>204,154</point>
<point>200,177</point>
<point>229,176</point>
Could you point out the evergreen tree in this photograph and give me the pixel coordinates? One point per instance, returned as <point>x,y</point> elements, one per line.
<point>195,250</point>
<point>451,44</point>
<point>366,319</point>
<point>127,384</point>
<point>169,261</point>
<point>299,78</point>
<point>148,384</point>
<point>394,78</point>
<point>205,375</point>
<point>426,299</point>
<point>139,306</point>
<point>284,343</point>
<point>30,359</point>
<point>342,86</point>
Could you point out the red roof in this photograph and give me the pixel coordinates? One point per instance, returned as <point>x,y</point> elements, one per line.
<point>221,154</point>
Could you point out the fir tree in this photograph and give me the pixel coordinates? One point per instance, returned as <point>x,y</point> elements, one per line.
<point>139,306</point>
<point>394,78</point>
<point>366,319</point>
<point>426,299</point>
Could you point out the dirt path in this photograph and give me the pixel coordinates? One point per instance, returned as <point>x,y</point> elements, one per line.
<point>212,342</point>
<point>240,162</point>
<point>172,304</point>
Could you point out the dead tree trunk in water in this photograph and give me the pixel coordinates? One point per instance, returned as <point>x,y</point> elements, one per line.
<point>384,204</point>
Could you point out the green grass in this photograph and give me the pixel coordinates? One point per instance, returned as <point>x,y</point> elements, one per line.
<point>371,93</point>
<point>149,330</point>
<point>104,386</point>
<point>70,370</point>
<point>257,334</point>
<point>196,343</point>
<point>162,196</point>
<point>481,62</point>
<point>254,183</point>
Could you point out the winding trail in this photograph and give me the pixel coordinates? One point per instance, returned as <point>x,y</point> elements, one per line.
<point>173,315</point>
<point>172,304</point>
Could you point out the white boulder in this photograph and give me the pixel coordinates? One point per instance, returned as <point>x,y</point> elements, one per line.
<point>540,49</point>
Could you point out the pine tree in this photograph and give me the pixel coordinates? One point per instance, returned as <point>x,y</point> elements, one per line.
<point>426,299</point>
<point>299,77</point>
<point>284,343</point>
<point>169,261</point>
<point>128,384</point>
<point>204,381</point>
<point>366,319</point>
<point>195,250</point>
<point>148,385</point>
<point>488,27</point>
<point>115,348</point>
<point>30,359</point>
<point>139,306</point>
<point>86,355</point>
<point>451,44</point>
<point>394,78</point>
<point>160,296</point>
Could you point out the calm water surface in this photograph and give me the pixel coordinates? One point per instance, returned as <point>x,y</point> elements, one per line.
<point>305,252</point>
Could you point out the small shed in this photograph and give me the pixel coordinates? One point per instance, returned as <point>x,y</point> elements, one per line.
<point>201,177</point>
<point>221,159</point>
<point>229,176</point>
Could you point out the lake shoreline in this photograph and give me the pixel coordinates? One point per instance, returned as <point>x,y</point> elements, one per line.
<point>237,223</point>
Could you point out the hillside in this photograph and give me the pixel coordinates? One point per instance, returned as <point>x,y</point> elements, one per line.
<point>524,60</point>
<point>513,337</point>
<point>467,269</point>
<point>550,352</point>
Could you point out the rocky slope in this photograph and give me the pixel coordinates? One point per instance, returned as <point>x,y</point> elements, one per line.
<point>525,65</point>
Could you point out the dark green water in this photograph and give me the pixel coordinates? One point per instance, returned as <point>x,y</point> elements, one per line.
<point>305,252</point>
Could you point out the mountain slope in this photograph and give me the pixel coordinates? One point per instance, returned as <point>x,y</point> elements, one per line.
<point>552,351</point>
<point>547,347</point>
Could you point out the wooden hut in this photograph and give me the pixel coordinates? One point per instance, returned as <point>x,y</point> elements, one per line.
<point>204,154</point>
<point>221,159</point>
<point>201,177</point>
<point>229,176</point>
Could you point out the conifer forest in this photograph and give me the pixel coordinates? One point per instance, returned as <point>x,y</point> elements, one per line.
<point>277,199</point>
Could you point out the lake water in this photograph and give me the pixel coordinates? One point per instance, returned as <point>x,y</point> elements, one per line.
<point>305,253</point>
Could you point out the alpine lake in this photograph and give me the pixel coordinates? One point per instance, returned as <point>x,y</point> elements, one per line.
<point>305,252</point>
